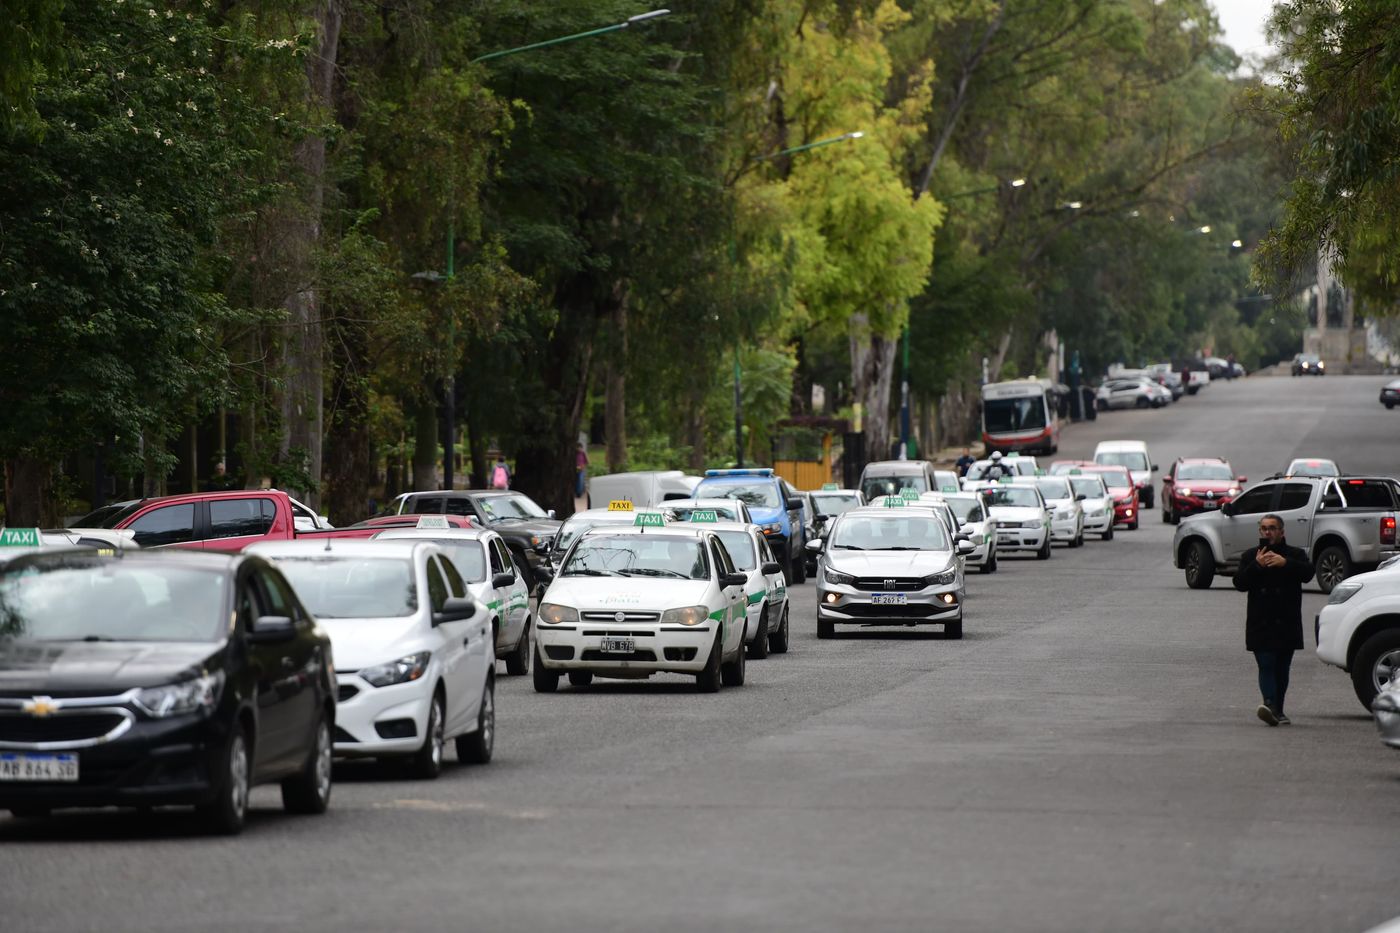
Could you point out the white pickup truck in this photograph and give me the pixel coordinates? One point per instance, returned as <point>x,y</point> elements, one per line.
<point>1346,524</point>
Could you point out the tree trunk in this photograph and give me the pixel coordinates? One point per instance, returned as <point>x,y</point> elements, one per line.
<point>695,428</point>
<point>999,358</point>
<point>349,467</point>
<point>425,446</point>
<point>872,374</point>
<point>615,404</point>
<point>476,446</point>
<point>29,500</point>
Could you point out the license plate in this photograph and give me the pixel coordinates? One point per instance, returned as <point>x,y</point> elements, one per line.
<point>889,599</point>
<point>1208,504</point>
<point>38,767</point>
<point>618,645</point>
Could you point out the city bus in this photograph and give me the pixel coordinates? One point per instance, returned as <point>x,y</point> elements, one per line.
<point>1021,415</point>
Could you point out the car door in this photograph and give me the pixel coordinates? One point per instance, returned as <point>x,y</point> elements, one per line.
<point>1294,504</point>
<point>166,526</point>
<point>285,675</point>
<point>455,642</point>
<point>1240,529</point>
<point>480,654</point>
<point>236,523</point>
<point>515,598</point>
<point>736,616</point>
<point>776,583</point>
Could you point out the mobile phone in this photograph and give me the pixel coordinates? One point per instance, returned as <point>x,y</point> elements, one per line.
<point>1264,545</point>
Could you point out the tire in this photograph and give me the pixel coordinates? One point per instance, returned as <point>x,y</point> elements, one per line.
<point>732,673</point>
<point>1148,498</point>
<point>526,573</point>
<point>1333,565</point>
<point>426,763</point>
<point>826,629</point>
<point>1044,552</point>
<point>1377,663</point>
<point>1200,566</point>
<point>476,748</point>
<point>1142,403</point>
<point>580,678</point>
<point>799,564</point>
<point>778,641</point>
<point>788,573</point>
<point>228,811</point>
<point>309,790</point>
<point>952,629</point>
<point>518,661</point>
<point>708,680</point>
<point>546,681</point>
<point>1389,406</point>
<point>758,648</point>
<point>1133,525</point>
<point>1166,516</point>
<point>1107,535</point>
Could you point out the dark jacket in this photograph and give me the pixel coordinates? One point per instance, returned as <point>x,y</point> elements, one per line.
<point>1274,621</point>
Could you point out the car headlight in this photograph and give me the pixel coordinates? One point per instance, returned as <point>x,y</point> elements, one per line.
<point>1033,523</point>
<point>1233,491</point>
<point>199,694</point>
<point>836,578</point>
<point>1342,592</point>
<point>408,668</point>
<point>554,614</point>
<point>772,527</point>
<point>941,579</point>
<point>1184,491</point>
<point>690,615</point>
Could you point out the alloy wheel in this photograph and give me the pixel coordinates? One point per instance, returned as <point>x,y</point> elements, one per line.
<point>1386,670</point>
<point>238,776</point>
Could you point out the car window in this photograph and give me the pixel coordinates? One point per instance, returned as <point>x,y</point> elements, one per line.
<point>334,587</point>
<point>437,587</point>
<point>655,555</point>
<point>504,553</point>
<point>425,505</point>
<point>1053,488</point>
<point>1294,496</point>
<point>237,518</point>
<point>1367,494</point>
<point>967,510</point>
<point>1331,498</point>
<point>1132,459</point>
<point>510,507</point>
<point>496,565</point>
<point>1020,497</point>
<point>172,524</point>
<point>761,495</point>
<point>1255,501</point>
<point>455,582</point>
<point>458,506</point>
<point>1214,472</point>
<point>1090,486</point>
<point>277,599</point>
<point>723,564</point>
<point>739,546</point>
<point>859,532</point>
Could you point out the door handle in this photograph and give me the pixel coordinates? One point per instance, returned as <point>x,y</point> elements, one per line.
<point>466,642</point>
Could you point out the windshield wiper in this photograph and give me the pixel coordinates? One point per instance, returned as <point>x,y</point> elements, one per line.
<point>898,547</point>
<point>848,547</point>
<point>652,572</point>
<point>590,572</point>
<point>97,638</point>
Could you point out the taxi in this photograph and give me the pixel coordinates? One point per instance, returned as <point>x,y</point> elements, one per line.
<point>890,564</point>
<point>1066,517</point>
<point>1022,517</point>
<point>618,512</point>
<point>728,510</point>
<point>766,591</point>
<point>1124,492</point>
<point>1096,502</point>
<point>1065,467</point>
<point>630,602</point>
<point>978,525</point>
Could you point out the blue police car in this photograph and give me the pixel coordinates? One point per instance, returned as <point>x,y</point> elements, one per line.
<point>779,516</point>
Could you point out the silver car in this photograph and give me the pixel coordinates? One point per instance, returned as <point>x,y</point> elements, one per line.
<point>885,566</point>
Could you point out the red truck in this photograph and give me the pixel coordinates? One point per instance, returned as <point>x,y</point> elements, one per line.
<point>232,520</point>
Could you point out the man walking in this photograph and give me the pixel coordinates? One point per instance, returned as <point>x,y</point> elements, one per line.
<point>1273,575</point>
<point>965,461</point>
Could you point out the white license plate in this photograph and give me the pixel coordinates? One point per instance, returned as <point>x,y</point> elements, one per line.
<point>16,766</point>
<point>889,599</point>
<point>1208,504</point>
<point>618,645</point>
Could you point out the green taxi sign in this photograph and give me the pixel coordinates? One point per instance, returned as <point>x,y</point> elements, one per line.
<point>1076,472</point>
<point>949,489</point>
<point>20,537</point>
<point>829,487</point>
<point>894,502</point>
<point>1005,480</point>
<point>909,492</point>
<point>1041,473</point>
<point>704,515</point>
<point>649,520</point>
<point>1014,454</point>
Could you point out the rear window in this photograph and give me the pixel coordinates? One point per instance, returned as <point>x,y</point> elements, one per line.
<point>1367,494</point>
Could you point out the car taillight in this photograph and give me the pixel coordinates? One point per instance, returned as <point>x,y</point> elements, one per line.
<point>1388,530</point>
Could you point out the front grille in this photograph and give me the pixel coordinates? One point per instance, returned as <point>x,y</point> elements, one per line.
<point>559,652</point>
<point>1006,524</point>
<point>62,727</point>
<point>867,611</point>
<point>889,583</point>
<point>618,634</point>
<point>627,616</point>
<point>345,692</point>
<point>592,654</point>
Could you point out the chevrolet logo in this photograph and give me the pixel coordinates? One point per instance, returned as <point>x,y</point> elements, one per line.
<point>40,706</point>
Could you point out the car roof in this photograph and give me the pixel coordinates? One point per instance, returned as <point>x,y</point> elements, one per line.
<point>428,534</point>
<point>461,493</point>
<point>684,529</point>
<point>622,514</point>
<point>340,547</point>
<point>717,526</point>
<point>850,493</point>
<point>1121,445</point>
<point>895,467</point>
<point>208,560</point>
<point>1201,460</point>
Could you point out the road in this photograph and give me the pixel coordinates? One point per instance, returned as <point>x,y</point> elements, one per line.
<point>1086,758</point>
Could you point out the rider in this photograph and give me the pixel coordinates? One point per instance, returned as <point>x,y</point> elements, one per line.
<point>997,469</point>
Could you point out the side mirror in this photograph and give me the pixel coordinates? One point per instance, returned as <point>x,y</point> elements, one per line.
<point>503,579</point>
<point>1228,509</point>
<point>794,505</point>
<point>1081,497</point>
<point>815,545</point>
<point>1241,479</point>
<point>272,629</point>
<point>545,573</point>
<point>966,547</point>
<point>733,579</point>
<point>771,567</point>
<point>1155,468</point>
<point>550,513</point>
<point>455,609</point>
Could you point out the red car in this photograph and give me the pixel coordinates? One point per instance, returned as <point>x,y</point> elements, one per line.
<point>1124,492</point>
<point>1198,484</point>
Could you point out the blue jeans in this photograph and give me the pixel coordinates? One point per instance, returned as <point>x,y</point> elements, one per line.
<point>1273,676</point>
<point>578,482</point>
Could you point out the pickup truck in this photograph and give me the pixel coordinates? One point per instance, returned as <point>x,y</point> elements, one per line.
<point>222,521</point>
<point>1346,524</point>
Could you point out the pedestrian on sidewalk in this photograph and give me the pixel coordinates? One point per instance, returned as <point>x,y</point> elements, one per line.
<point>500,473</point>
<point>581,470</point>
<point>1273,575</point>
<point>965,461</point>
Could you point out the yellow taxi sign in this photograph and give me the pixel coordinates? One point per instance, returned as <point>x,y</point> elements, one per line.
<point>620,505</point>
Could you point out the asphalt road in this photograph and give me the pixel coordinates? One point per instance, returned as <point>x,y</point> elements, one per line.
<point>1086,758</point>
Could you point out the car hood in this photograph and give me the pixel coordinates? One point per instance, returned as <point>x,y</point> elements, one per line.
<point>1125,495</point>
<point>69,668</point>
<point>644,593</point>
<point>1014,513</point>
<point>357,643</point>
<point>889,563</point>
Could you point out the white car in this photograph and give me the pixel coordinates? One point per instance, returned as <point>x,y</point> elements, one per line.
<point>618,512</point>
<point>1131,393</point>
<point>1095,500</point>
<point>1066,517</point>
<point>766,591</point>
<point>632,602</point>
<point>1022,517</point>
<point>979,526</point>
<point>493,579</point>
<point>1312,466</point>
<point>726,510</point>
<point>1359,631</point>
<point>413,653</point>
<point>1134,456</point>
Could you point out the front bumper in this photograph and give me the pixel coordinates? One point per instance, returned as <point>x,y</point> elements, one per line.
<point>1386,711</point>
<point>982,554</point>
<point>678,649</point>
<point>1021,539</point>
<point>1328,628</point>
<point>1064,529</point>
<point>1124,514</point>
<point>1098,524</point>
<point>1191,505</point>
<point>932,605</point>
<point>363,710</point>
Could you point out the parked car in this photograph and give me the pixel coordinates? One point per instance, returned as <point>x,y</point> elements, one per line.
<point>1139,392</point>
<point>1390,394</point>
<point>1311,466</point>
<point>643,488</point>
<point>528,529</point>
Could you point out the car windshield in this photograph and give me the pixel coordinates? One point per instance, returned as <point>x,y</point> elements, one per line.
<point>108,516</point>
<point>577,525</point>
<point>467,555</point>
<point>1219,472</point>
<point>725,513</point>
<point>831,503</point>
<point>1052,488</point>
<point>1132,459</point>
<point>754,495</point>
<point>511,507</point>
<point>106,600</point>
<point>1013,414</point>
<point>642,555</point>
<point>1116,479</point>
<point>889,533</point>
<point>335,587</point>
<point>876,486</point>
<point>1018,497</point>
<point>966,509</point>
<point>1313,468</point>
<point>740,548</point>
<point>1089,486</point>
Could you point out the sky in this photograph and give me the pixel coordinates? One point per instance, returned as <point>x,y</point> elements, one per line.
<point>1243,23</point>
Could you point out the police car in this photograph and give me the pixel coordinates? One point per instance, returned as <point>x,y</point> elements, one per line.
<point>779,515</point>
<point>1066,517</point>
<point>1022,517</point>
<point>633,602</point>
<point>766,590</point>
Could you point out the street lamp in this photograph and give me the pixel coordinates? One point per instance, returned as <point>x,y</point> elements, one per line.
<point>639,18</point>
<point>857,134</point>
<point>1013,183</point>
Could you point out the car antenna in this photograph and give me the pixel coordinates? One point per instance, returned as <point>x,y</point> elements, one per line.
<point>328,546</point>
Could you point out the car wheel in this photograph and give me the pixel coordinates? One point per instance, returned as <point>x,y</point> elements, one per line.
<point>580,678</point>
<point>826,629</point>
<point>229,809</point>
<point>1200,566</point>
<point>1149,498</point>
<point>952,629</point>
<point>1389,406</point>
<point>546,681</point>
<point>426,763</point>
<point>1133,525</point>
<point>1166,516</point>
<point>309,790</point>
<point>1333,566</point>
<point>732,673</point>
<point>758,648</point>
<point>477,747</point>
<point>707,681</point>
<point>518,661</point>
<point>799,564</point>
<point>1376,665</point>
<point>1044,552</point>
<point>1142,402</point>
<point>778,641</point>
<point>1108,535</point>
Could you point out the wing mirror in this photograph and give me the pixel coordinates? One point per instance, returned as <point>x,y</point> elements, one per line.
<point>455,609</point>
<point>814,546</point>
<point>503,579</point>
<point>794,505</point>
<point>272,629</point>
<point>1155,468</point>
<point>733,579</point>
<point>1081,497</point>
<point>965,547</point>
<point>1229,509</point>
<point>771,567</point>
<point>550,513</point>
<point>1241,479</point>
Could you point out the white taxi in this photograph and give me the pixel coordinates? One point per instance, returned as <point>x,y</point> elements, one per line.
<point>1066,517</point>
<point>980,528</point>
<point>617,512</point>
<point>1095,500</point>
<point>1023,519</point>
<point>766,591</point>
<point>632,602</point>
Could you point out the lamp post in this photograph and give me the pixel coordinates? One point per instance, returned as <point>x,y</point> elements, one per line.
<point>631,20</point>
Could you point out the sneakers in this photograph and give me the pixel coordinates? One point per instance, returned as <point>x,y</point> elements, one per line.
<point>1282,719</point>
<point>1267,715</point>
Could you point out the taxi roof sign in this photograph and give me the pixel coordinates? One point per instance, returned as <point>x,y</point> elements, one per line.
<point>435,522</point>
<point>619,505</point>
<point>909,492</point>
<point>704,515</point>
<point>894,502</point>
<point>949,489</point>
<point>21,537</point>
<point>829,487</point>
<point>649,520</point>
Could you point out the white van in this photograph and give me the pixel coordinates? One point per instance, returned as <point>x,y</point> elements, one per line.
<point>644,489</point>
<point>1134,456</point>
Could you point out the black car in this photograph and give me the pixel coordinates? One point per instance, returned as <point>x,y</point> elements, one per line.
<point>162,677</point>
<point>1390,393</point>
<point>1309,364</point>
<point>528,530</point>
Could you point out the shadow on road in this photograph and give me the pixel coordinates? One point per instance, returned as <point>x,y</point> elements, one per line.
<point>118,825</point>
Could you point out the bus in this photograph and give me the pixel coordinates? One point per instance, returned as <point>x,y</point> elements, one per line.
<point>1021,415</point>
